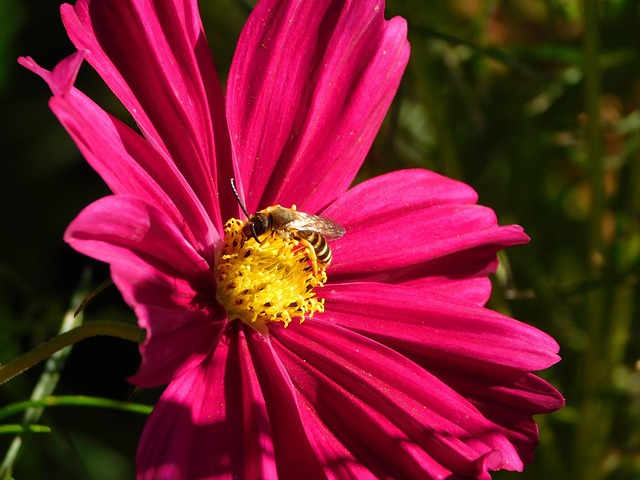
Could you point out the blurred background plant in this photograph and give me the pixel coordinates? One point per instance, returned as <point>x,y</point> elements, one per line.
<point>534,103</point>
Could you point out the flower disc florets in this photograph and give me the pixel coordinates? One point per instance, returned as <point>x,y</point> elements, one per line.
<point>271,281</point>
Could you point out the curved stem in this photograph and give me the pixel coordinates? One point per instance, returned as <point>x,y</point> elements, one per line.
<point>76,401</point>
<point>595,415</point>
<point>48,380</point>
<point>45,350</point>
<point>20,429</point>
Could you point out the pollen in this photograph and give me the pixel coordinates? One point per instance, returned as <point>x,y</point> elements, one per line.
<point>271,281</point>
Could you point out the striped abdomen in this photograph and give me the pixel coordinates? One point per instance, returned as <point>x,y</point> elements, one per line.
<point>319,244</point>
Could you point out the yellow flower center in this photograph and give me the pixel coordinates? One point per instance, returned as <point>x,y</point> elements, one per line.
<point>271,281</point>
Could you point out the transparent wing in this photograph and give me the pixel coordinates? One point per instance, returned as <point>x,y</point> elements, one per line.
<point>314,223</point>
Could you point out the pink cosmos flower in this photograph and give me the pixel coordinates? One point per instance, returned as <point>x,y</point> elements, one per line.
<point>397,369</point>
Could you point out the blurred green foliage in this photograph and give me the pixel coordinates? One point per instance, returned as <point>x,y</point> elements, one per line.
<point>534,103</point>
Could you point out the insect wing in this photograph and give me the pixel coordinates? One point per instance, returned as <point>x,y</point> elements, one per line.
<point>314,223</point>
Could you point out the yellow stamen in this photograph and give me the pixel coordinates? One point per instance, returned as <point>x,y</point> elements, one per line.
<point>271,281</point>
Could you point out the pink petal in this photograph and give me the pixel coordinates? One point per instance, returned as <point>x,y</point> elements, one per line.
<point>339,462</point>
<point>401,190</point>
<point>462,276</point>
<point>155,58</point>
<point>233,416</point>
<point>390,414</point>
<point>412,224</point>
<point>210,422</point>
<point>294,456</point>
<point>481,355</point>
<point>177,338</point>
<point>308,88</point>
<point>432,330</point>
<point>509,403</point>
<point>160,275</point>
<point>63,76</point>
<point>126,162</point>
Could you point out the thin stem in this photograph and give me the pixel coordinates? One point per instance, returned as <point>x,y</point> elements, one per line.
<point>47,382</point>
<point>445,143</point>
<point>594,134</point>
<point>107,283</point>
<point>57,350</point>
<point>45,350</point>
<point>595,376</point>
<point>22,429</point>
<point>74,400</point>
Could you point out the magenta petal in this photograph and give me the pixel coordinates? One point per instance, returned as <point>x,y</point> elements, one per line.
<point>126,162</point>
<point>130,166</point>
<point>160,275</point>
<point>399,191</point>
<point>155,58</point>
<point>63,76</point>
<point>390,414</point>
<point>483,356</point>
<point>233,416</point>
<point>294,456</point>
<point>407,223</point>
<point>308,88</point>
<point>462,276</point>
<point>433,330</point>
<point>509,403</point>
<point>211,422</point>
<point>471,290</point>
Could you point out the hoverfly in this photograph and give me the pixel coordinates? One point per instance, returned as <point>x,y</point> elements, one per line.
<point>310,230</point>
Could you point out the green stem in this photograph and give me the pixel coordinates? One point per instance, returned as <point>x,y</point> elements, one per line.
<point>107,283</point>
<point>45,350</point>
<point>74,400</point>
<point>595,420</point>
<point>447,152</point>
<point>22,429</point>
<point>47,381</point>
<point>57,351</point>
<point>594,133</point>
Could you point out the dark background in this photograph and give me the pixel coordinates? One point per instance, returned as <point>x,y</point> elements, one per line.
<point>497,94</point>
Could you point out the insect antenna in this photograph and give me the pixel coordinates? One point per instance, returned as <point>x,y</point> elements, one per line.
<point>244,209</point>
<point>235,192</point>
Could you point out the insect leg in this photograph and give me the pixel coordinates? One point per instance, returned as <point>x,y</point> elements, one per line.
<point>312,253</point>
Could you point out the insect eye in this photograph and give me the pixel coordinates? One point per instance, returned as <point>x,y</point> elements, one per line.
<point>260,223</point>
<point>247,230</point>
